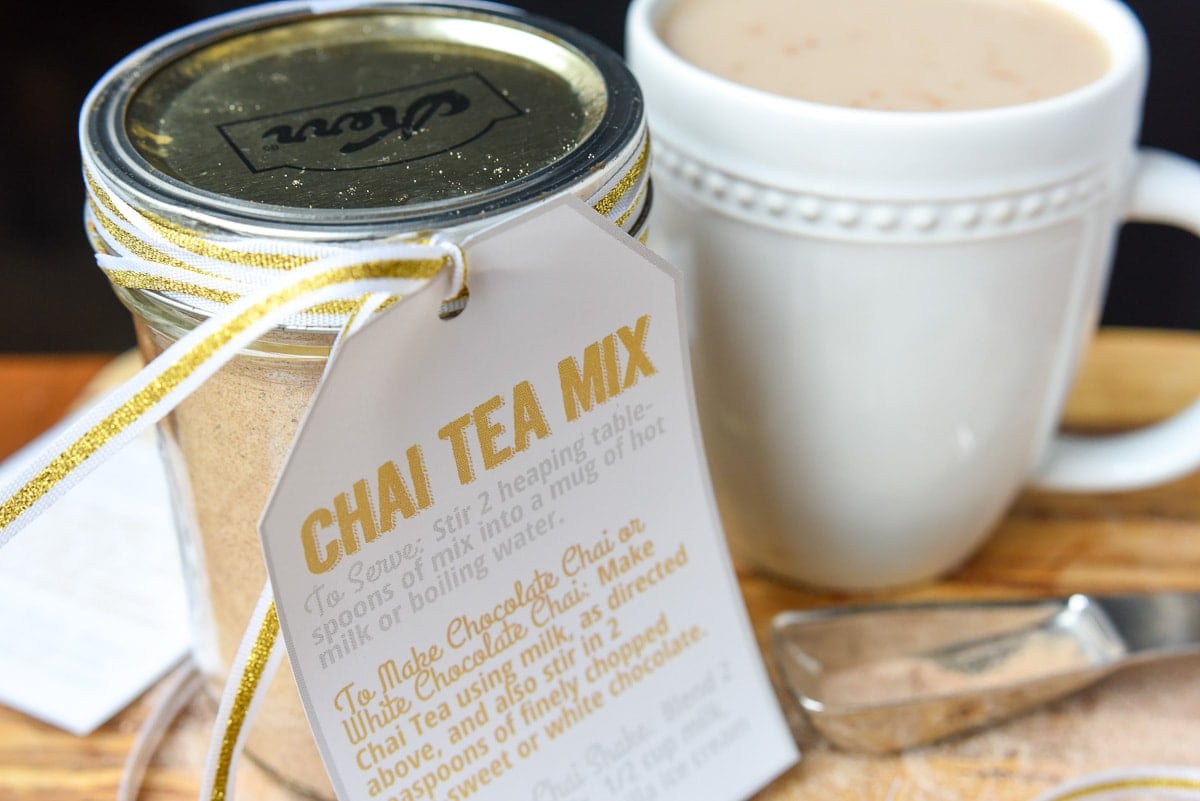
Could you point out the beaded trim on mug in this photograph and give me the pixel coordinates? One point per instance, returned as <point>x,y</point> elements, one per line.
<point>829,217</point>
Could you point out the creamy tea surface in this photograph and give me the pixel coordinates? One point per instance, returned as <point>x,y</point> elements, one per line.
<point>901,55</point>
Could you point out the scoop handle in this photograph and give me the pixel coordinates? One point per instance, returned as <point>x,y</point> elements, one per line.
<point>1154,624</point>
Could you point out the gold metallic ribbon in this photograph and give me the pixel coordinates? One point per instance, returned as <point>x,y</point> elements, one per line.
<point>237,716</point>
<point>143,252</point>
<point>240,284</point>
<point>180,367</point>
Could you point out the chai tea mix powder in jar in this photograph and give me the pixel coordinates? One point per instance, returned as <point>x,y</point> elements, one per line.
<point>281,129</point>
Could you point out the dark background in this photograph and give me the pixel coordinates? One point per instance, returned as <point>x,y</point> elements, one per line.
<point>53,298</point>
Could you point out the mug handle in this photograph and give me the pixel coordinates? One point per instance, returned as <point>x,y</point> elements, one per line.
<point>1166,189</point>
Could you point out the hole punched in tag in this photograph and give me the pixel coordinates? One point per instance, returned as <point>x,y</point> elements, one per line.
<point>885,678</point>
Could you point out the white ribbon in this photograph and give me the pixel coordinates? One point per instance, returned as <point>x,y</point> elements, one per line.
<point>244,287</point>
<point>241,699</point>
<point>265,298</point>
<point>101,429</point>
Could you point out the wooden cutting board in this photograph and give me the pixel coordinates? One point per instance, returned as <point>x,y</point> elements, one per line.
<point>1049,544</point>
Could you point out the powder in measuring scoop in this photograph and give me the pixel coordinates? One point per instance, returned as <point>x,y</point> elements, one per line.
<point>1039,654</point>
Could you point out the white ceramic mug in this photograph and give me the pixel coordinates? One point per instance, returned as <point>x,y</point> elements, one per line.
<point>888,308</point>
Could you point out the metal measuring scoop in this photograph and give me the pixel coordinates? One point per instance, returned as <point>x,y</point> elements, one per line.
<point>884,678</point>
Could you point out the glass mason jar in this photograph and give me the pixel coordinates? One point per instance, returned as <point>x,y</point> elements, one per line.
<point>282,123</point>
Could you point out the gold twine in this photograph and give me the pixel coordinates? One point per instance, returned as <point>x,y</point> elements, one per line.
<point>260,653</point>
<point>153,393</point>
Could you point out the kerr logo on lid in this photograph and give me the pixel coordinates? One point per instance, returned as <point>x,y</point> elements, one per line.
<point>379,130</point>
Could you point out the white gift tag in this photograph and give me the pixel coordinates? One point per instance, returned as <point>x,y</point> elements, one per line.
<point>494,551</point>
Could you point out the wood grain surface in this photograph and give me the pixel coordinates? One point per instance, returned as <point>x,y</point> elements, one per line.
<point>1048,544</point>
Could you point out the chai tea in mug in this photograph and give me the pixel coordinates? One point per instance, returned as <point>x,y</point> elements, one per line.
<point>897,55</point>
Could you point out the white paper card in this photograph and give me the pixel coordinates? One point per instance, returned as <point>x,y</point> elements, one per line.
<point>494,551</point>
<point>92,606</point>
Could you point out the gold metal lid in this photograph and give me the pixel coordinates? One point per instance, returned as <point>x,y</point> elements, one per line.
<point>367,115</point>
